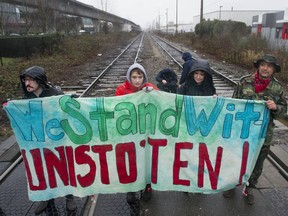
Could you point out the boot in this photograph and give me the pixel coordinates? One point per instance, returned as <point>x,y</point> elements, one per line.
<point>147,193</point>
<point>249,196</point>
<point>41,206</point>
<point>70,204</point>
<point>131,197</point>
<point>229,193</point>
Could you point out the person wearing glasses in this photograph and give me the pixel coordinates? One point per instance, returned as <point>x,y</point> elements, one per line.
<point>35,85</point>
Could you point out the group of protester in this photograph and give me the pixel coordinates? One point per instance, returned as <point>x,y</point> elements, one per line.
<point>196,80</point>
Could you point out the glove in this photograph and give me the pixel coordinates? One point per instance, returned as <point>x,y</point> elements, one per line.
<point>74,96</point>
<point>148,89</point>
<point>4,103</point>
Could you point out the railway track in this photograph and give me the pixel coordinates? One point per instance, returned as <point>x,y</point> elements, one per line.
<point>103,83</point>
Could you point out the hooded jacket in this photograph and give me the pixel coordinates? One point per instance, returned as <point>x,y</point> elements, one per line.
<point>127,87</point>
<point>171,77</point>
<point>206,88</point>
<point>186,67</point>
<point>38,73</point>
<point>167,74</point>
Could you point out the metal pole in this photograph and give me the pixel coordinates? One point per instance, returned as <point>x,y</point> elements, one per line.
<point>220,13</point>
<point>201,11</point>
<point>176,17</point>
<point>159,22</point>
<point>166,20</point>
<point>201,18</point>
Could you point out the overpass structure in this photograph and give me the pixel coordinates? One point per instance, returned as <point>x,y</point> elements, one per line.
<point>79,9</point>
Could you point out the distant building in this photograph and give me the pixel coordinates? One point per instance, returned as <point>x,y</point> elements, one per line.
<point>234,15</point>
<point>273,27</point>
<point>181,27</point>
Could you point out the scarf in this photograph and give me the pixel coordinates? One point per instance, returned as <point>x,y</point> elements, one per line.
<point>260,84</point>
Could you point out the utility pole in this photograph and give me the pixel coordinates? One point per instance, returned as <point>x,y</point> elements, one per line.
<point>201,12</point>
<point>159,22</point>
<point>220,13</point>
<point>201,18</point>
<point>176,17</point>
<point>102,5</point>
<point>166,20</point>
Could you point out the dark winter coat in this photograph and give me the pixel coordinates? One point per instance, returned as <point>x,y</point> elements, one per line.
<point>189,61</point>
<point>171,78</point>
<point>190,87</point>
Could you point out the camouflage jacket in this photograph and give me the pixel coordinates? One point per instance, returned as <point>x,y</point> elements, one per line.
<point>245,90</point>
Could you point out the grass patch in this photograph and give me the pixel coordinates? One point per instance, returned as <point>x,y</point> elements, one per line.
<point>7,61</point>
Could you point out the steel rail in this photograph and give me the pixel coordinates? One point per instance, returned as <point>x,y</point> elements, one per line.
<point>10,168</point>
<point>166,51</point>
<point>173,46</point>
<point>96,80</point>
<point>139,49</point>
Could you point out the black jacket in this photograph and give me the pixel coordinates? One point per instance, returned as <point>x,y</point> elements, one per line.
<point>186,67</point>
<point>47,92</point>
<point>167,74</point>
<point>170,76</point>
<point>190,87</point>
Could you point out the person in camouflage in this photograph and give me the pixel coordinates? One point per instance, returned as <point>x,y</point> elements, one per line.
<point>261,85</point>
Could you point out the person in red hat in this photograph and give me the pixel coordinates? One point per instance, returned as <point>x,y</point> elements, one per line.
<point>261,85</point>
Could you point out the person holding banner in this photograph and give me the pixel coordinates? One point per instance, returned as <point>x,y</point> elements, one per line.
<point>34,84</point>
<point>136,80</point>
<point>199,81</point>
<point>261,85</point>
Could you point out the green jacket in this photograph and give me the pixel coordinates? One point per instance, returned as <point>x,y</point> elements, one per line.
<point>274,91</point>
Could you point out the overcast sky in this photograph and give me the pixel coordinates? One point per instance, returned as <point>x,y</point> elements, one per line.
<point>146,12</point>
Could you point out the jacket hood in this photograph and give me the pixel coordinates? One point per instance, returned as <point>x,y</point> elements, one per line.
<point>186,56</point>
<point>201,65</point>
<point>140,67</point>
<point>206,88</point>
<point>37,73</point>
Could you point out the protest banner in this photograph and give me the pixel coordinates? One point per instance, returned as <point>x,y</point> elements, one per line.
<point>85,146</point>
